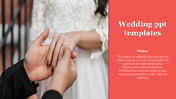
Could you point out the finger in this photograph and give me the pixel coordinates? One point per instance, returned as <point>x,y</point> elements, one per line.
<point>51,49</point>
<point>73,69</point>
<point>52,69</point>
<point>57,49</point>
<point>42,37</point>
<point>73,54</point>
<point>61,53</point>
<point>71,44</point>
<point>72,65</point>
<point>66,54</point>
<point>66,43</point>
<point>74,60</point>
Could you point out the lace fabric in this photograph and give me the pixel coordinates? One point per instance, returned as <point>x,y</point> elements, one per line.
<point>63,16</point>
<point>38,20</point>
<point>102,30</point>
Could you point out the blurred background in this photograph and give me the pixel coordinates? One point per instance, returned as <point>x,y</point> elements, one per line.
<point>14,27</point>
<point>15,22</point>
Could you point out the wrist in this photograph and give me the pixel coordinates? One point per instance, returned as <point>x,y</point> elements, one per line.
<point>60,89</point>
<point>56,85</point>
<point>26,69</point>
<point>76,38</point>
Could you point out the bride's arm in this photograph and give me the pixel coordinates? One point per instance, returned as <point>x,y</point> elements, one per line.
<point>86,39</point>
<point>96,39</point>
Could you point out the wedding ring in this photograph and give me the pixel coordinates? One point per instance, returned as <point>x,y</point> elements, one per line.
<point>63,44</point>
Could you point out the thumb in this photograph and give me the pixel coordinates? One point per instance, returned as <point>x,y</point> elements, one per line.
<point>42,37</point>
<point>72,65</point>
<point>73,54</point>
<point>67,54</point>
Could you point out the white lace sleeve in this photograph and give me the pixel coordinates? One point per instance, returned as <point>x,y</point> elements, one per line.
<point>102,30</point>
<point>38,20</point>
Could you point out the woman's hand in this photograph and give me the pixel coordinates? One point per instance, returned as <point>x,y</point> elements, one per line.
<point>55,52</point>
<point>89,40</point>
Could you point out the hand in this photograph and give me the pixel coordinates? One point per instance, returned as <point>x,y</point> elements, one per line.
<point>55,52</point>
<point>64,75</point>
<point>35,59</point>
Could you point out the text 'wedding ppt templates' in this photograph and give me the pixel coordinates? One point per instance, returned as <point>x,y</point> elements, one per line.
<point>142,50</point>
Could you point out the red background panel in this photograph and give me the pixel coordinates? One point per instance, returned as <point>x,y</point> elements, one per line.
<point>119,44</point>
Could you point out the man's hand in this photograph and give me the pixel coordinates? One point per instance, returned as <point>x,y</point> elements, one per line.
<point>64,74</point>
<point>35,59</point>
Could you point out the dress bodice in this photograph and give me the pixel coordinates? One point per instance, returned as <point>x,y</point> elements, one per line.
<point>70,15</point>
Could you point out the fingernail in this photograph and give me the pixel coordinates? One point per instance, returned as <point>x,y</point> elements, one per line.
<point>47,63</point>
<point>52,69</point>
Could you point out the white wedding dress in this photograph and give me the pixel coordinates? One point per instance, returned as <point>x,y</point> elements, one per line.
<point>63,16</point>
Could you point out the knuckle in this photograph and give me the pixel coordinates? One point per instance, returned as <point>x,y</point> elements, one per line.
<point>66,38</point>
<point>62,36</point>
<point>56,34</point>
<point>71,40</point>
